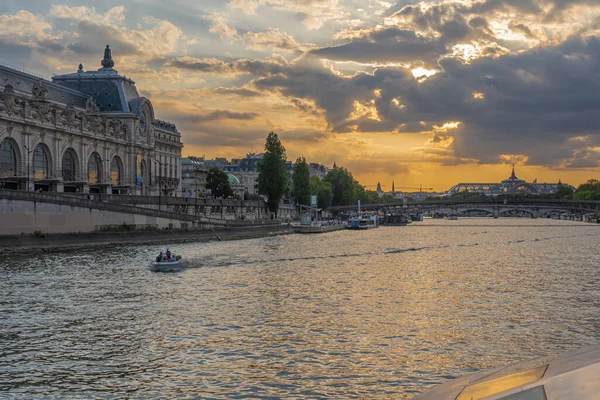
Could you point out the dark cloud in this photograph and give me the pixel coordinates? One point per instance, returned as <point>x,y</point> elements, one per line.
<point>90,34</point>
<point>216,115</point>
<point>272,65</point>
<point>386,46</point>
<point>224,91</point>
<point>543,96</point>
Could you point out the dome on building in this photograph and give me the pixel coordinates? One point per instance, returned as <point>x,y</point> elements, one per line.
<point>233,180</point>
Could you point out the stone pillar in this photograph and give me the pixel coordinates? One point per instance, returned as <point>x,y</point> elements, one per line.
<point>60,187</point>
<point>496,212</point>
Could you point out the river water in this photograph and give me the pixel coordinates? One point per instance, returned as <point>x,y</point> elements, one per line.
<point>385,313</point>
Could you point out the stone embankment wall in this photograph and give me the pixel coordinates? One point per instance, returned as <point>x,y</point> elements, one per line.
<point>28,212</point>
<point>67,241</point>
<point>20,216</point>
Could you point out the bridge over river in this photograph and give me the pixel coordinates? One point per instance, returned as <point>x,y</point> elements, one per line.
<point>531,207</point>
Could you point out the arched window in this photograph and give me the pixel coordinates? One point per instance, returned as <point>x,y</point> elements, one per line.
<point>94,169</point>
<point>115,171</point>
<point>8,159</point>
<point>68,166</point>
<point>41,166</point>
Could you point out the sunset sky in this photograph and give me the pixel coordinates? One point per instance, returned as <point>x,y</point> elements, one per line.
<point>420,92</point>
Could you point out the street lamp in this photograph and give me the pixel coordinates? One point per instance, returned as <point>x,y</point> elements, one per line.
<point>28,153</point>
<point>160,164</point>
<point>196,197</point>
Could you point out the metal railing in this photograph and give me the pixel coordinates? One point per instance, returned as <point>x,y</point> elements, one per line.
<point>84,202</point>
<point>24,71</point>
<point>488,202</point>
<point>44,197</point>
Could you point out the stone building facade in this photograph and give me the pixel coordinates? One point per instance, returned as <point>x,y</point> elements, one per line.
<point>89,131</point>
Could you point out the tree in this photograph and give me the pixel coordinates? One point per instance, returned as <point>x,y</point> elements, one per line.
<point>323,192</point>
<point>588,191</point>
<point>342,186</point>
<point>564,192</point>
<point>371,197</point>
<point>218,182</point>
<point>301,182</point>
<point>272,172</point>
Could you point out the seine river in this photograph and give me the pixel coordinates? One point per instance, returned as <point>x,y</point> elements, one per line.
<point>385,313</point>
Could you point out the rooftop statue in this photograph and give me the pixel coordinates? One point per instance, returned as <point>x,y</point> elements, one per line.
<point>107,62</point>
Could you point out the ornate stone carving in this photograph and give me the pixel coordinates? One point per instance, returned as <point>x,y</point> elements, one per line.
<point>113,127</point>
<point>94,124</point>
<point>69,116</point>
<point>91,107</point>
<point>116,128</point>
<point>39,92</point>
<point>41,111</point>
<point>9,128</point>
<point>9,102</point>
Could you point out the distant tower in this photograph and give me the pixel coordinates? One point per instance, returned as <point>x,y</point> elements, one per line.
<point>380,192</point>
<point>393,188</point>
<point>107,62</point>
<point>513,176</point>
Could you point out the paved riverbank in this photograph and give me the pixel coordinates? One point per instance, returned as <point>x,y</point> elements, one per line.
<point>70,241</point>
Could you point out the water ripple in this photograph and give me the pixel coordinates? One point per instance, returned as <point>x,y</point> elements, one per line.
<point>386,313</point>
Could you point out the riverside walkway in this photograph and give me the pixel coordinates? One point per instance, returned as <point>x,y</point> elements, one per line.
<point>111,203</point>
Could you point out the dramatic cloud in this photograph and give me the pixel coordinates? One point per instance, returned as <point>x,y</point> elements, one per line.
<point>274,65</point>
<point>272,39</point>
<point>26,29</point>
<point>315,13</point>
<point>505,105</point>
<point>403,87</point>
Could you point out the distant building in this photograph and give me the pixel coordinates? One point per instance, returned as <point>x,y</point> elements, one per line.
<point>193,177</point>
<point>511,185</point>
<point>246,171</point>
<point>318,170</point>
<point>194,173</point>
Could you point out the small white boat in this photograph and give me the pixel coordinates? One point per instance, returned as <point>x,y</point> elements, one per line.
<point>168,266</point>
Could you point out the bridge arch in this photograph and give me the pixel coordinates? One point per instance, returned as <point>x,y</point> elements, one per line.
<point>507,211</point>
<point>468,210</point>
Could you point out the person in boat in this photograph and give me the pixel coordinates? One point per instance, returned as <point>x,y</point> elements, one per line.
<point>160,257</point>
<point>168,254</point>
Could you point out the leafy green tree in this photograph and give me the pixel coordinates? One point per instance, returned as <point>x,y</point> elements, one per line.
<point>218,183</point>
<point>323,192</point>
<point>593,185</point>
<point>301,182</point>
<point>342,186</point>
<point>588,191</point>
<point>371,197</point>
<point>272,172</point>
<point>564,192</point>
